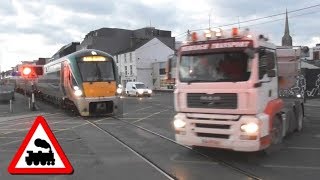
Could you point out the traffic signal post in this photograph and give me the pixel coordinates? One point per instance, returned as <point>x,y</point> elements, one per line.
<point>30,74</point>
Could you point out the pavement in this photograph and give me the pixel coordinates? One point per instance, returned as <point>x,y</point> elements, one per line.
<point>313,102</point>
<point>140,145</point>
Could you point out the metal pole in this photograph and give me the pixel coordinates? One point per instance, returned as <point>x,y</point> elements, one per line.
<point>29,101</point>
<point>10,105</point>
<point>32,102</point>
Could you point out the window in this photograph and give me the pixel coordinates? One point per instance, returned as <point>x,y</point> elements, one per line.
<point>266,61</point>
<point>214,67</point>
<point>130,57</point>
<point>316,55</point>
<point>126,70</point>
<point>162,71</point>
<point>131,70</point>
<point>125,58</point>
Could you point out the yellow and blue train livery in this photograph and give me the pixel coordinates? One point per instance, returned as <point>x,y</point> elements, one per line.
<point>85,80</point>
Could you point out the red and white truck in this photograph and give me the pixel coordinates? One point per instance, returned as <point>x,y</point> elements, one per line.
<point>227,91</point>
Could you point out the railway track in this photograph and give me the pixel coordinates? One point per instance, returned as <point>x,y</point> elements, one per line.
<point>154,164</point>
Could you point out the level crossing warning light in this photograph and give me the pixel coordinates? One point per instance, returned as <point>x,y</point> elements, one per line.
<point>31,71</point>
<point>40,153</point>
<point>26,71</point>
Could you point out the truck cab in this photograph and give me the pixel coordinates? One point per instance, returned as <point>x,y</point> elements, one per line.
<point>226,92</point>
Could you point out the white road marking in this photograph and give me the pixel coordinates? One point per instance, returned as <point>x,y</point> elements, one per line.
<point>59,130</point>
<point>291,167</point>
<point>143,108</point>
<point>304,148</point>
<point>25,116</point>
<point>149,116</point>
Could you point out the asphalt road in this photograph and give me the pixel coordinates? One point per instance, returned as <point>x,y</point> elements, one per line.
<point>140,145</point>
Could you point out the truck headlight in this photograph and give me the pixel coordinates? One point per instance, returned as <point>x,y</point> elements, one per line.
<point>249,128</point>
<point>149,91</point>
<point>140,91</point>
<point>119,90</point>
<point>179,123</point>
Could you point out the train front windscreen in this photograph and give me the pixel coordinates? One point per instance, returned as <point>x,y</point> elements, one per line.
<point>96,69</point>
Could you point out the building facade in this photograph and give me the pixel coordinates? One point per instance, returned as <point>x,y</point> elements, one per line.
<point>144,64</point>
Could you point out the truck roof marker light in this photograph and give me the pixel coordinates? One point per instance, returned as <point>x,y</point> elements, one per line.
<point>207,33</point>
<point>218,32</point>
<point>235,32</point>
<point>194,36</point>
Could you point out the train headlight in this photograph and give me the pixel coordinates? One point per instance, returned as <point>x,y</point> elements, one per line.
<point>249,128</point>
<point>140,91</point>
<point>119,90</point>
<point>78,93</point>
<point>149,91</point>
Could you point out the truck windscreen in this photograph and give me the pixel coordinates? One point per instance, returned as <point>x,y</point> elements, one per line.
<point>214,67</point>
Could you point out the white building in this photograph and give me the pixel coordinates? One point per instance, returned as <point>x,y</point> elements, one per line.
<point>315,52</point>
<point>136,64</point>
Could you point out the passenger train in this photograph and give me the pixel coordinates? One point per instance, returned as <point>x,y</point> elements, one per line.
<point>85,81</point>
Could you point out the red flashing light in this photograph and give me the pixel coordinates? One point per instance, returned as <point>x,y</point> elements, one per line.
<point>26,71</point>
<point>194,36</point>
<point>235,32</point>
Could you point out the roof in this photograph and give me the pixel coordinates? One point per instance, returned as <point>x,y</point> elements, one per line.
<point>136,46</point>
<point>308,66</point>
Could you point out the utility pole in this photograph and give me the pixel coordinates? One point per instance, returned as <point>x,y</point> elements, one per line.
<point>239,22</point>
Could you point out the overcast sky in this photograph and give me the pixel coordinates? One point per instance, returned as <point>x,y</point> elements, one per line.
<point>30,29</point>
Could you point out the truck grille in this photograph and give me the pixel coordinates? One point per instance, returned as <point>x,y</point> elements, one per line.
<point>212,125</point>
<point>221,136</point>
<point>212,101</point>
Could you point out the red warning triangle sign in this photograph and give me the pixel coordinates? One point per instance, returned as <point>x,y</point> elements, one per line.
<point>40,153</point>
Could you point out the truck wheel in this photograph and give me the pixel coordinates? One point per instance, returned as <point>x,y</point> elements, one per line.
<point>277,131</point>
<point>299,118</point>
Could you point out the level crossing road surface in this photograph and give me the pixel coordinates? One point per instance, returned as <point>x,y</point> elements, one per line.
<point>140,144</point>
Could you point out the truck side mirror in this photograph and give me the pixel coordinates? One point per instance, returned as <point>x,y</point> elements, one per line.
<point>271,73</point>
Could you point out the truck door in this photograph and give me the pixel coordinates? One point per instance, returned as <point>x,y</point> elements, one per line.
<point>268,77</point>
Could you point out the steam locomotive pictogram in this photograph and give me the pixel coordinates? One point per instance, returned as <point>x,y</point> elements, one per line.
<point>40,157</point>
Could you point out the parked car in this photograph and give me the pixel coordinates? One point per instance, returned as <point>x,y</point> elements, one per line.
<point>137,89</point>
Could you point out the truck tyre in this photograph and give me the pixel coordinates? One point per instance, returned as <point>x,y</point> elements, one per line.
<point>277,130</point>
<point>299,118</point>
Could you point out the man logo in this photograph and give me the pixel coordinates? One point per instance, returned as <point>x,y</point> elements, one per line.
<point>210,98</point>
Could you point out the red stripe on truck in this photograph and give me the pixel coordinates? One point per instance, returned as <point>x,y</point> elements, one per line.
<point>273,107</point>
<point>265,142</point>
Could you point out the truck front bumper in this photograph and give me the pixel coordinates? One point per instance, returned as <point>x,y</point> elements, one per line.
<point>222,131</point>
<point>236,145</point>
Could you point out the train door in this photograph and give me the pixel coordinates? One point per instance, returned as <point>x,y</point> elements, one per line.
<point>66,79</point>
<point>62,77</point>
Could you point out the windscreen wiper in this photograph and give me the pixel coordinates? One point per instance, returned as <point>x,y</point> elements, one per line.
<point>197,80</point>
